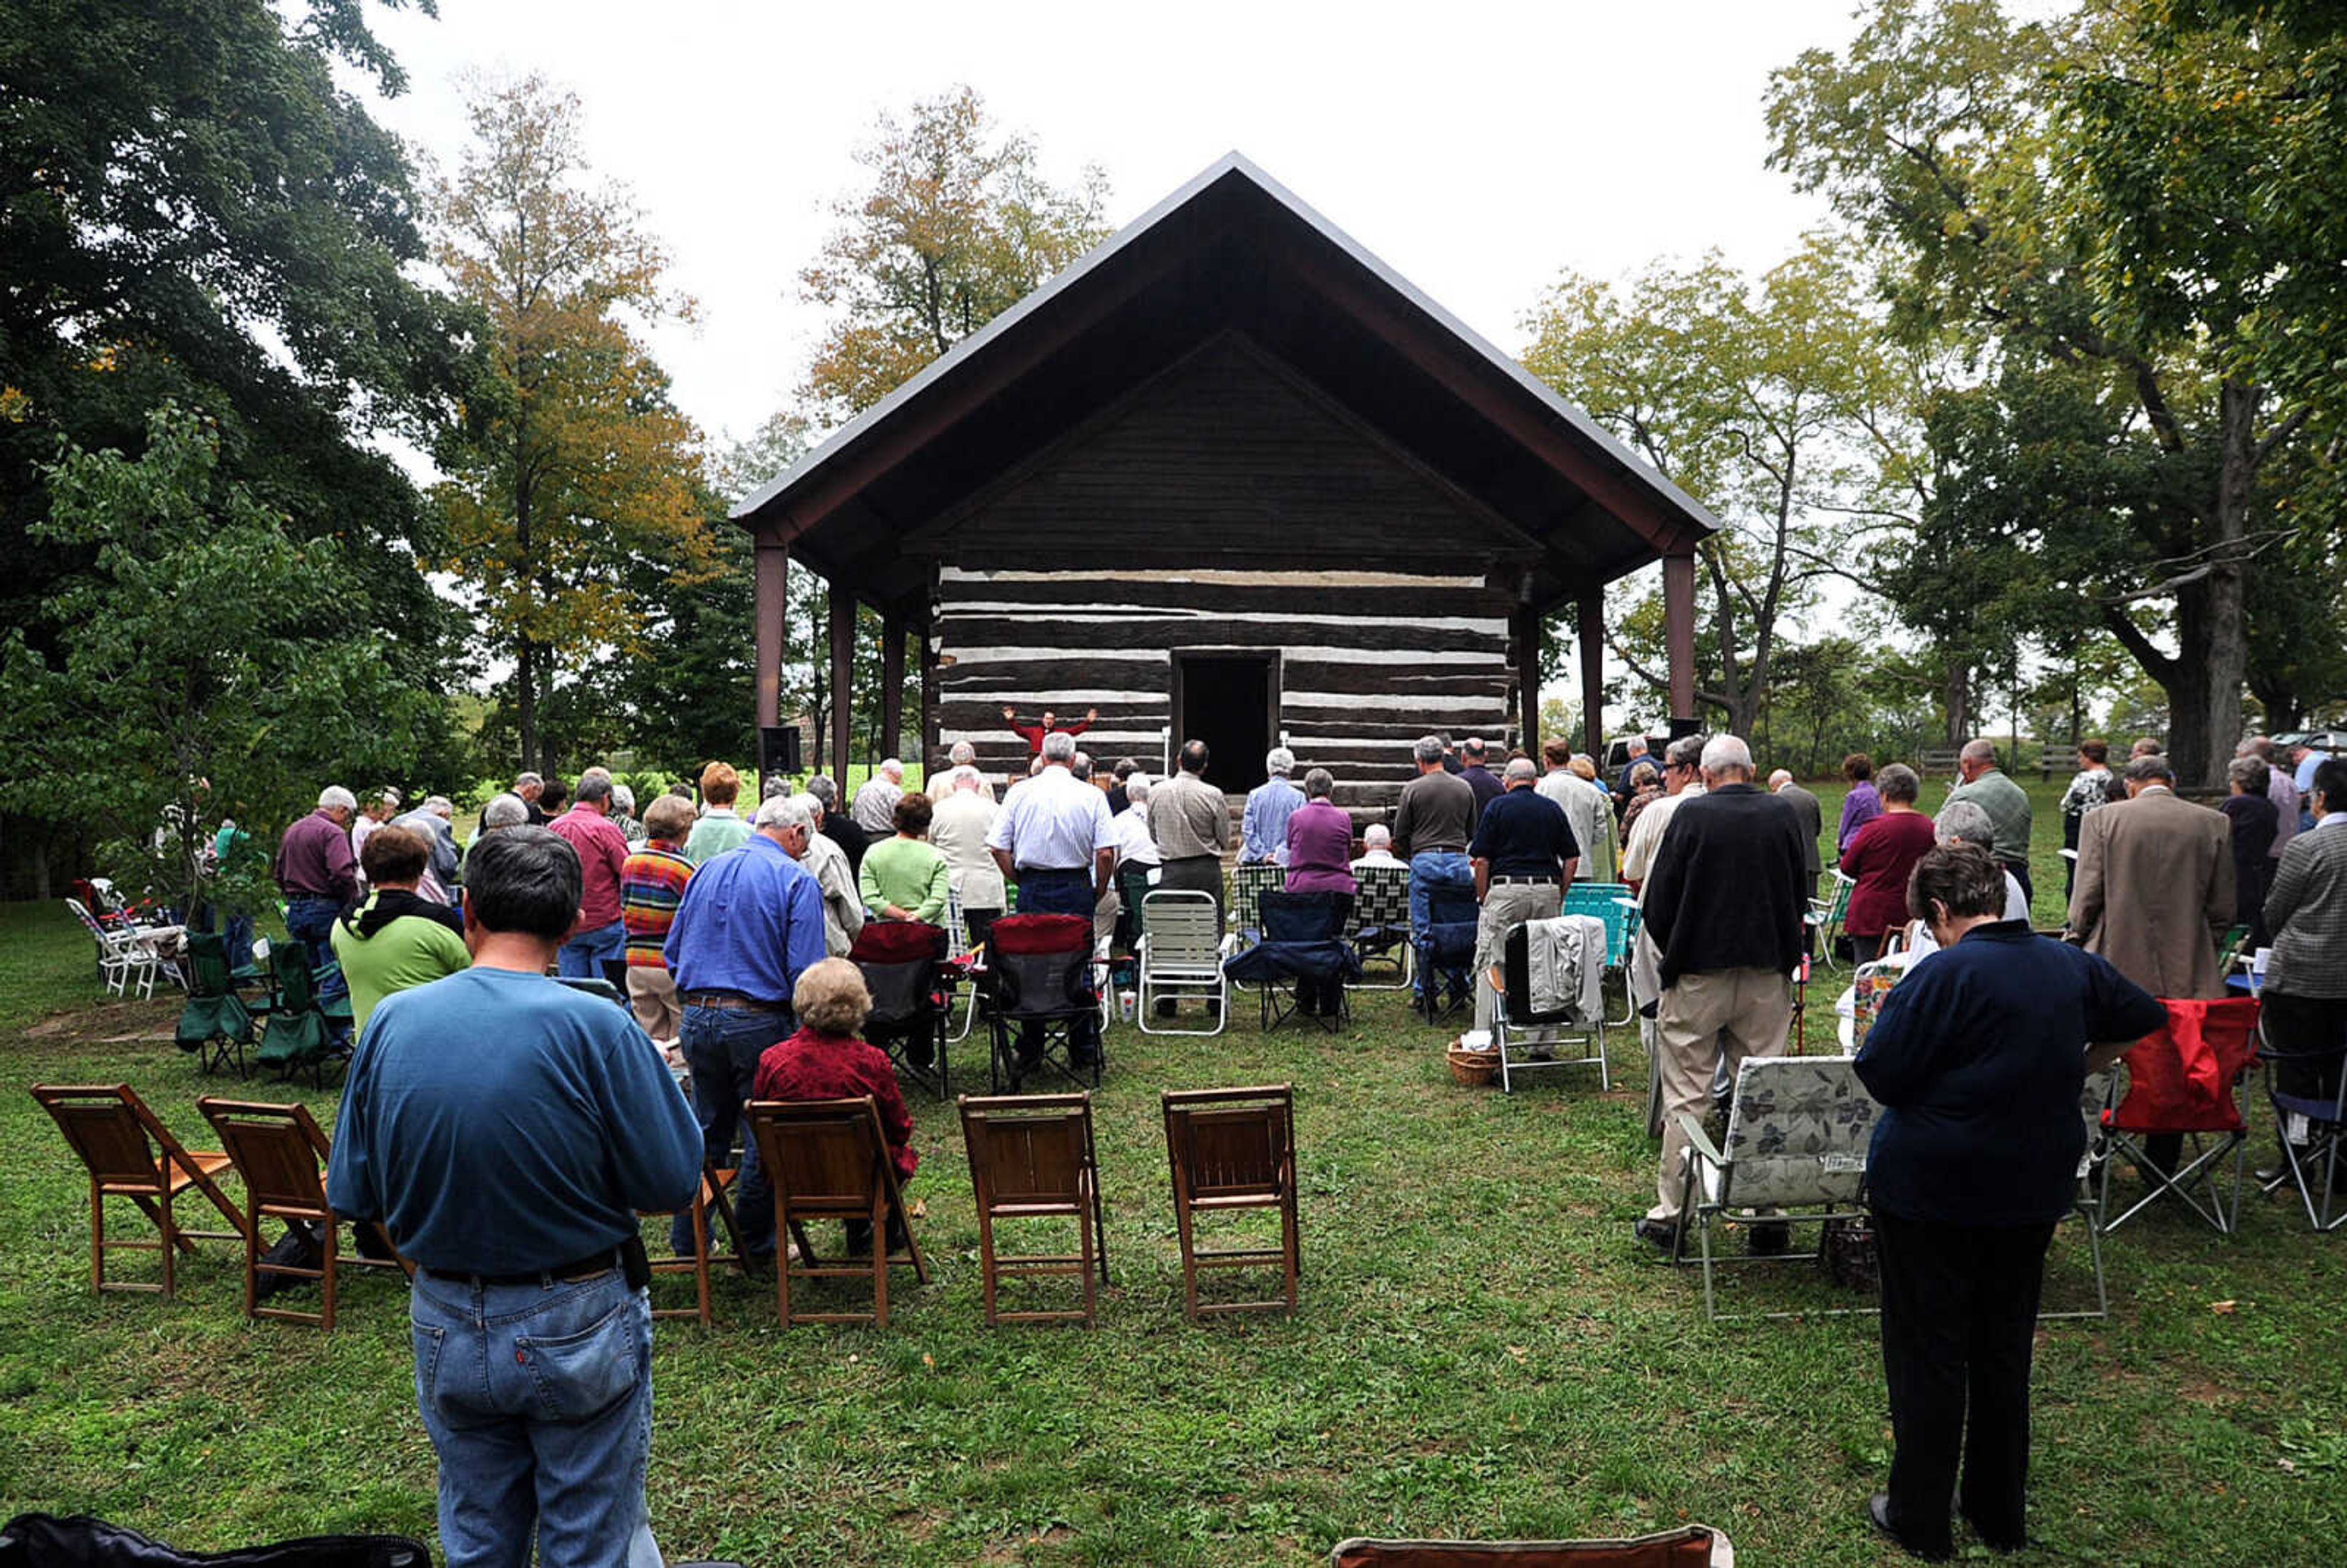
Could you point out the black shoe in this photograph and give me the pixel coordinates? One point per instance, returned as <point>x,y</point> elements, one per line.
<point>1660,1235</point>
<point>1877,1512</point>
<point>1768,1240</point>
<point>1993,1540</point>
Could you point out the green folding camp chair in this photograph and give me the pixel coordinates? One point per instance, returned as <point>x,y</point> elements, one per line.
<point>215,1024</point>
<point>299,1029</point>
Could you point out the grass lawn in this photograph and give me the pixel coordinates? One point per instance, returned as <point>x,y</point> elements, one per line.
<point>1482,1350</point>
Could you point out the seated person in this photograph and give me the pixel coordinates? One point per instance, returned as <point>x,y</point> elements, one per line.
<point>395,937</point>
<point>1376,847</point>
<point>906,878</point>
<point>825,1060</point>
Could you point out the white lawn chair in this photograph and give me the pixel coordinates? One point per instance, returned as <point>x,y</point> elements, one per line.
<point>1796,1139</point>
<point>1825,915</point>
<point>125,954</point>
<point>957,946</point>
<point>1179,957</point>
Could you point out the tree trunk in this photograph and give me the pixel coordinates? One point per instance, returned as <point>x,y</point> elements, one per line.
<point>1959,693</point>
<point>525,700</point>
<point>2186,682</point>
<point>2226,638</point>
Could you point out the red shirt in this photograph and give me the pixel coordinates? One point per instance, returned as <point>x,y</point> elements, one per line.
<point>602,861</point>
<point>1880,856</point>
<point>314,860</point>
<point>1033,733</point>
<point>811,1066</point>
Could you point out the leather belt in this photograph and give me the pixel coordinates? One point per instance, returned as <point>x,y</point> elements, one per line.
<point>578,1268</point>
<point>730,1001</point>
<point>1526,880</point>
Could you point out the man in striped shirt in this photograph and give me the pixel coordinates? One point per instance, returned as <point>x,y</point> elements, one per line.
<point>652,884</point>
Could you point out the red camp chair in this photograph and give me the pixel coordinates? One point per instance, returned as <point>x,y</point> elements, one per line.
<point>2186,1082</point>
<point>1041,991</point>
<point>904,966</point>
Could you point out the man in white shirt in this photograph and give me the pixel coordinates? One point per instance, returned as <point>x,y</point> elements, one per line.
<point>1055,836</point>
<point>874,810</point>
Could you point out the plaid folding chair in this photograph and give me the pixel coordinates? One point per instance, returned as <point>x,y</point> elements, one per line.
<point>1381,926</point>
<point>2186,1080</point>
<point>1612,902</point>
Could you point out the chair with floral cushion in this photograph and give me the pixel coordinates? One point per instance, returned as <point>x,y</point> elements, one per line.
<point>1796,1140</point>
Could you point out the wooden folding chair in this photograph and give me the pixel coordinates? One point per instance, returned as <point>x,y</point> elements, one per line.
<point>828,1160</point>
<point>1031,1157</point>
<point>131,1154</point>
<point>713,1197</point>
<point>1234,1149</point>
<point>280,1152</point>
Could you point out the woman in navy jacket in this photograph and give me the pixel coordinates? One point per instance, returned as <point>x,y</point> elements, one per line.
<point>1979,1058</point>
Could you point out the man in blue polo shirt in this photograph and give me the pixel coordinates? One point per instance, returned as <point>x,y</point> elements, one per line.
<point>507,1130</point>
<point>1523,853</point>
<point>750,924</point>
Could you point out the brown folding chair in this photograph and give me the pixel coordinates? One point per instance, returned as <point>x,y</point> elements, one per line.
<point>131,1154</point>
<point>1234,1149</point>
<point>828,1160</point>
<point>713,1197</point>
<point>1031,1157</point>
<point>280,1152</point>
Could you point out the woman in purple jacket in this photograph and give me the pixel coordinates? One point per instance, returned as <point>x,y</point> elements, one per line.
<point>1320,860</point>
<point>1862,805</point>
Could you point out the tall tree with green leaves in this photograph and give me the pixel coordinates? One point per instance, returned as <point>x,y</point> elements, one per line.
<point>1757,398</point>
<point>194,209</point>
<point>958,224</point>
<point>203,664</point>
<point>1965,143</point>
<point>571,464</point>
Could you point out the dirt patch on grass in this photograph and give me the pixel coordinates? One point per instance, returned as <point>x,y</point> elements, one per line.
<point>107,1023</point>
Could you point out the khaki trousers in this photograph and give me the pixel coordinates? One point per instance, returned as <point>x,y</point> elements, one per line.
<point>652,995</point>
<point>1507,905</point>
<point>1705,1019</point>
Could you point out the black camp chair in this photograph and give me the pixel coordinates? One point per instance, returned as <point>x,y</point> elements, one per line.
<point>45,1541</point>
<point>1446,949</point>
<point>903,963</point>
<point>1039,989</point>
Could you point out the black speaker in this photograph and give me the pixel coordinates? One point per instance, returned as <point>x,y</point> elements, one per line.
<point>778,750</point>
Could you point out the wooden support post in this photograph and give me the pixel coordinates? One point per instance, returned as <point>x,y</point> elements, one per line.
<point>1592,674</point>
<point>842,679</point>
<point>892,681</point>
<point>1679,636</point>
<point>1524,634</point>
<point>773,634</point>
<point>932,754</point>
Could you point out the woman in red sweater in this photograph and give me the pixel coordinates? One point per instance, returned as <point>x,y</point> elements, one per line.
<point>1879,858</point>
<point>825,1060</point>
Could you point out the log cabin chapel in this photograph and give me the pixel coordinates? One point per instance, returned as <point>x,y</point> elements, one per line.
<point>1227,476</point>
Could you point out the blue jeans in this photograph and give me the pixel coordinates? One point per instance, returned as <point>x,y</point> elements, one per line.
<point>311,922</point>
<point>583,957</point>
<point>1429,869</point>
<point>722,1046</point>
<point>538,1402</point>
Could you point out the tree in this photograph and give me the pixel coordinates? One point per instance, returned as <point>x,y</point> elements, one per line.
<point>1963,143</point>
<point>193,210</point>
<point>571,464</point>
<point>1755,398</point>
<point>958,225</point>
<point>203,665</point>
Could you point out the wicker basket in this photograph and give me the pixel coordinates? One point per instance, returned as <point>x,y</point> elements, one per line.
<point>1475,1069</point>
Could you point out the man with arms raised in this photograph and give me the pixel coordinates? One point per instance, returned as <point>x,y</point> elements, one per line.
<point>507,1130</point>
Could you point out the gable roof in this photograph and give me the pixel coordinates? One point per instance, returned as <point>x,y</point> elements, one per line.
<point>1232,250</point>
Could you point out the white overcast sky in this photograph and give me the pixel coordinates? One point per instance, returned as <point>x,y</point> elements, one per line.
<point>1477,149</point>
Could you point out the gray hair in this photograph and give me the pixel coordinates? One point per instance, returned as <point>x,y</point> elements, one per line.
<point>1059,747</point>
<point>592,787</point>
<point>1636,746</point>
<point>1780,778</point>
<point>438,805</point>
<point>784,811</point>
<point>964,777</point>
<point>1427,748</point>
<point>1979,751</point>
<point>823,789</point>
<point>335,798</point>
<point>1376,835</point>
<point>2150,769</point>
<point>624,798</point>
<point>818,808</point>
<point>2249,773</point>
<point>893,767</point>
<point>597,771</point>
<point>1136,787</point>
<point>521,779</point>
<point>1520,769</point>
<point>1897,780</point>
<point>1082,765</point>
<point>506,810</point>
<point>1687,752</point>
<point>1964,822</point>
<point>1279,760</point>
<point>1725,754</point>
<point>963,755</point>
<point>1319,785</point>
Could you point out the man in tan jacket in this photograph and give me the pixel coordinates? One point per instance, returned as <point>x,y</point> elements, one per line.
<point>2155,883</point>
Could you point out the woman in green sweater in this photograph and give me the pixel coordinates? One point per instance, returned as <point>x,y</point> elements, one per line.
<point>394,938</point>
<point>904,877</point>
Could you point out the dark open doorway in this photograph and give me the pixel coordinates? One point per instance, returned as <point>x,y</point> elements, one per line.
<point>1229,701</point>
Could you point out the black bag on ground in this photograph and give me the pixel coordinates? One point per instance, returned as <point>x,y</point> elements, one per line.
<point>299,1247</point>
<point>45,1541</point>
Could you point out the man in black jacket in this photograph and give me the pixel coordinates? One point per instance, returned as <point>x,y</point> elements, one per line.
<point>1723,904</point>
